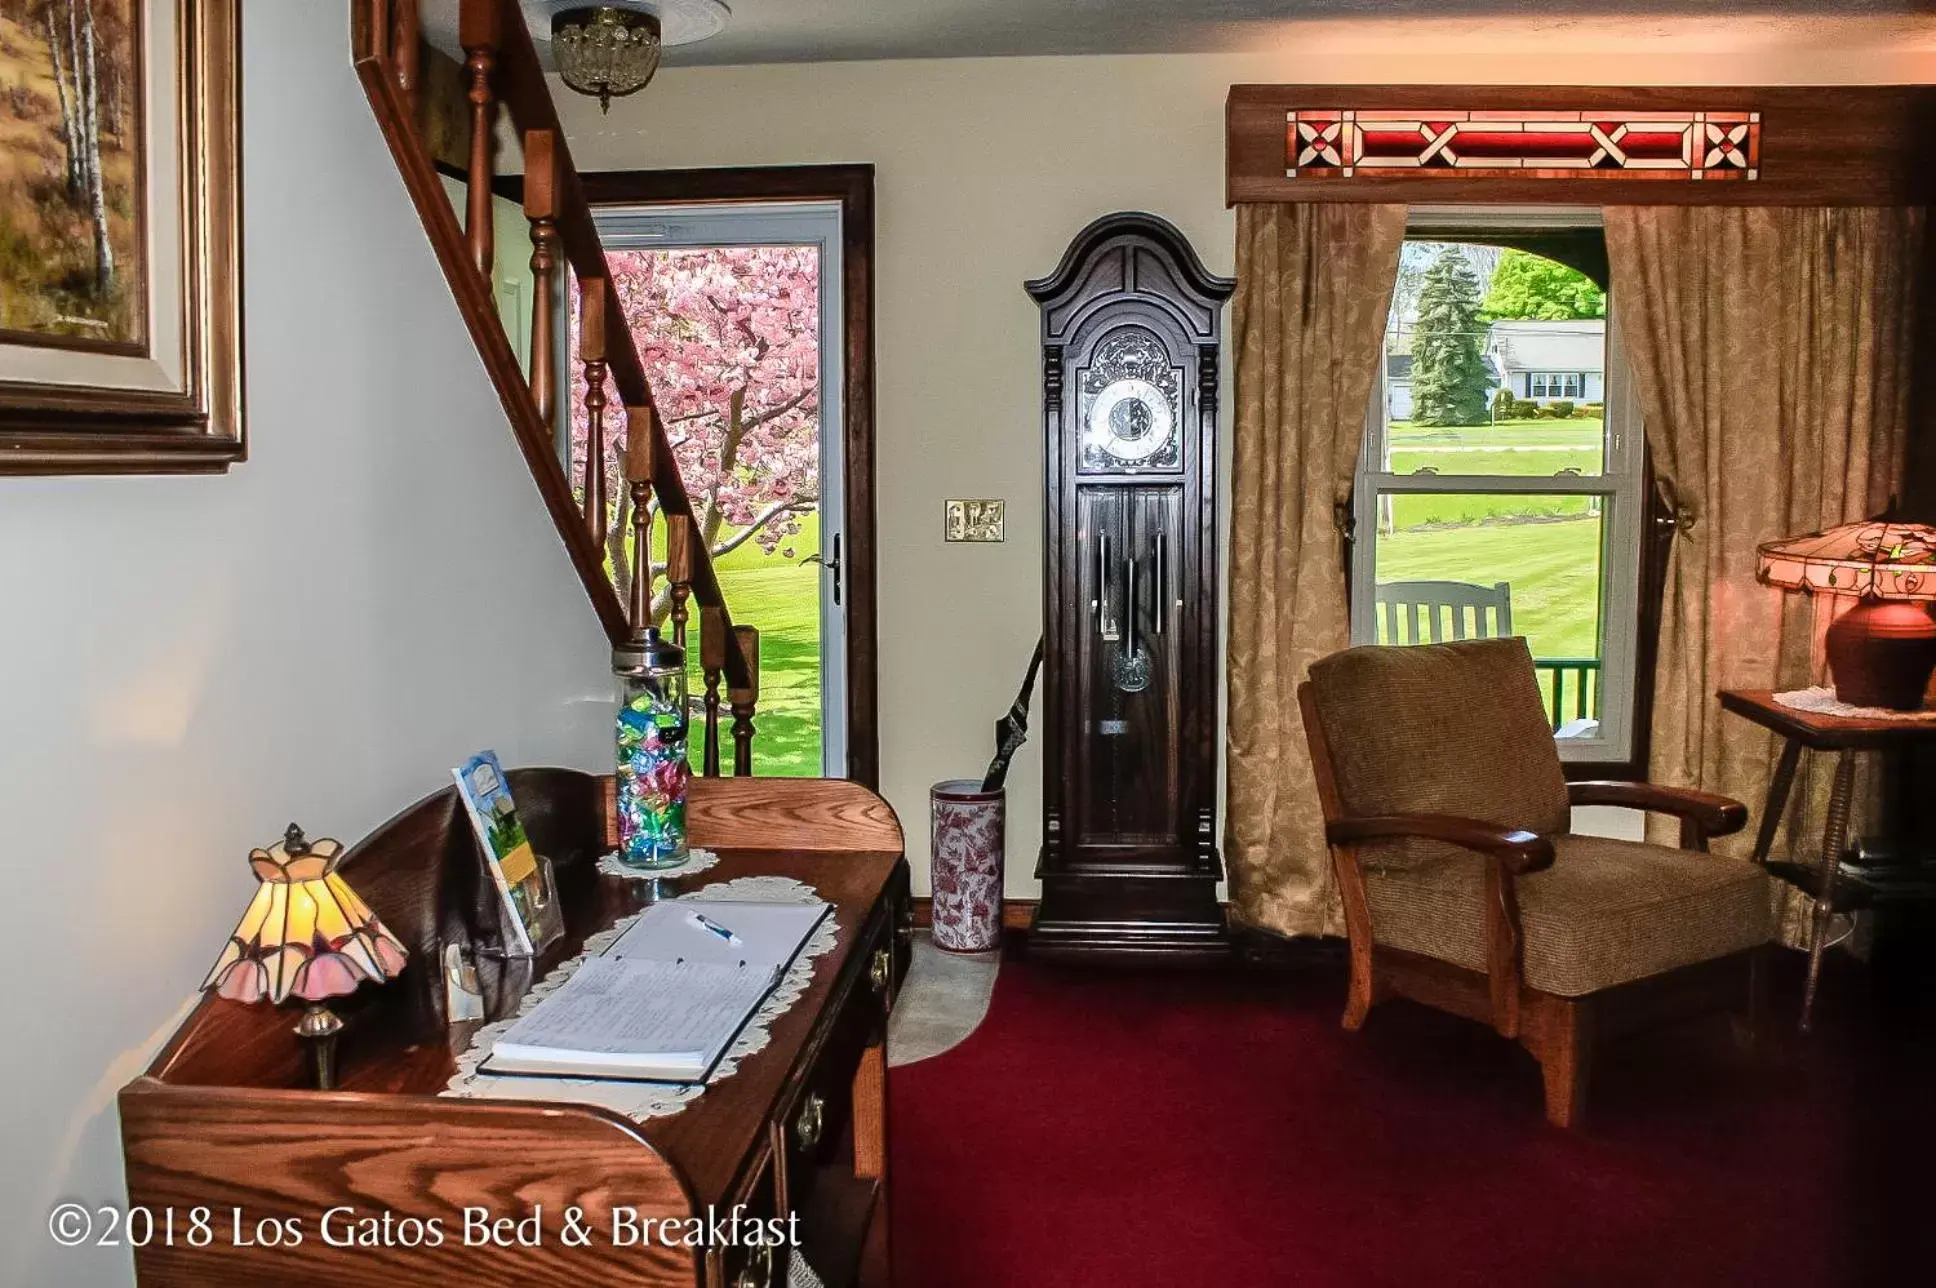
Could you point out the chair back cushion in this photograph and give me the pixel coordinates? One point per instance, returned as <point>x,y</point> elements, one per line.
<point>1440,729</point>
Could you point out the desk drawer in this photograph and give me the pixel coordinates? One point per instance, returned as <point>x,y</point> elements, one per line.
<point>746,1263</point>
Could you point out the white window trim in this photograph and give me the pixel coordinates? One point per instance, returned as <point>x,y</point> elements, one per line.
<point>1620,486</point>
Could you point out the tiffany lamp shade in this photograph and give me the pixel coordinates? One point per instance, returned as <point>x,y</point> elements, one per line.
<point>305,935</point>
<point>1881,652</point>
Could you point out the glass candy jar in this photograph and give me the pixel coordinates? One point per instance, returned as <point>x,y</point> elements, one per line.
<point>653,775</point>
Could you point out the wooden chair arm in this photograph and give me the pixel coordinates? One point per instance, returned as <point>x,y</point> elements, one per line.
<point>1703,815</point>
<point>1518,852</point>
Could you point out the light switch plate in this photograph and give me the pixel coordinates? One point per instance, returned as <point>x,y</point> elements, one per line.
<point>975,520</point>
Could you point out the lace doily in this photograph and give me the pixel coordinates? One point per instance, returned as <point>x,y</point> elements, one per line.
<point>1823,702</point>
<point>640,1101</point>
<point>697,861</point>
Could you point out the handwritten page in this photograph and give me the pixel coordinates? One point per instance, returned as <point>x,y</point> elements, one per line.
<point>642,1018</point>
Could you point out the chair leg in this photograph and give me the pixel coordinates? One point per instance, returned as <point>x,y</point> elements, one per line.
<point>1751,1022</point>
<point>1565,1054</point>
<point>1364,990</point>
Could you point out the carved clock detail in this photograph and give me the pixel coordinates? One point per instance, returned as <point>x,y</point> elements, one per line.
<point>1131,333</point>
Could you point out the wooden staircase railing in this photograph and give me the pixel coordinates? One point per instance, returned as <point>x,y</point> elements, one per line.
<point>503,74</point>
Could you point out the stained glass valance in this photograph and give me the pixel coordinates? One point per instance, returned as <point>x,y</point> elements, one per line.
<point>1347,143</point>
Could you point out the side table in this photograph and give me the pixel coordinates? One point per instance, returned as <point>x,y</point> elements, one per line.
<point>1845,736</point>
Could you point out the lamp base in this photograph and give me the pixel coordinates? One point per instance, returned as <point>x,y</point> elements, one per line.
<point>1881,653</point>
<point>317,1030</point>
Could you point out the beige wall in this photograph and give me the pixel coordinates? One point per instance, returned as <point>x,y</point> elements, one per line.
<point>985,169</point>
<point>188,664</point>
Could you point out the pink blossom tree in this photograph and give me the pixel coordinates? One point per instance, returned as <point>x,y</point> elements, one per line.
<point>730,339</point>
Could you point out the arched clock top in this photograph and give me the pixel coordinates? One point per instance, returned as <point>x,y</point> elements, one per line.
<point>1127,256</point>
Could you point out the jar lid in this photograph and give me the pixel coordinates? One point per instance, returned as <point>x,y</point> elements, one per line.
<point>647,654</point>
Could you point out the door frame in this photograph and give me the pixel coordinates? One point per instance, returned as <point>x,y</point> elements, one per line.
<point>852,186</point>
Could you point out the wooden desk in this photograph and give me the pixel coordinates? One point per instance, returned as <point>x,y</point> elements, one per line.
<point>1845,737</point>
<point>222,1121</point>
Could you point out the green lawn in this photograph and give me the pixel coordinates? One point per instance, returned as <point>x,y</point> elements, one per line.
<point>1513,447</point>
<point>781,596</point>
<point>1546,547</point>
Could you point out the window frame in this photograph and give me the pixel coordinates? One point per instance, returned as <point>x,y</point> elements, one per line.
<point>1624,486</point>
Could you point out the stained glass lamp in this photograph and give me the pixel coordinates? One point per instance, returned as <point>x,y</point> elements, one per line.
<point>1880,652</point>
<point>305,935</point>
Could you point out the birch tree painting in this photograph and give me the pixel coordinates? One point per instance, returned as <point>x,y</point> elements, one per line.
<point>72,268</point>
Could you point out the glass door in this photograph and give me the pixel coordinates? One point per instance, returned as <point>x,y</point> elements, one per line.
<point>736,311</point>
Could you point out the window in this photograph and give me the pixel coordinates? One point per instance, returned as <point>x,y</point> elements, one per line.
<point>1554,384</point>
<point>1481,511</point>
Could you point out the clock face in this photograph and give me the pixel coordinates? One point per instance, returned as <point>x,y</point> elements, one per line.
<point>1130,423</point>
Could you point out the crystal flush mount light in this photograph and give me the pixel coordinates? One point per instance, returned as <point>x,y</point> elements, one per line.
<point>607,51</point>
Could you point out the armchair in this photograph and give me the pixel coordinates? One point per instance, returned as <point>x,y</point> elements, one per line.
<point>1464,887</point>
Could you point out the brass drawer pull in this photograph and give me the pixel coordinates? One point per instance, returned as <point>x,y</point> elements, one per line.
<point>882,971</point>
<point>813,1116</point>
<point>758,1270</point>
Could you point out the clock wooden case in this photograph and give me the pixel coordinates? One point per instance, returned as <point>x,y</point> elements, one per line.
<point>1131,332</point>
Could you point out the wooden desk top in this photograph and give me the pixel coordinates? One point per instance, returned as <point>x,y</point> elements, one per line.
<point>1823,732</point>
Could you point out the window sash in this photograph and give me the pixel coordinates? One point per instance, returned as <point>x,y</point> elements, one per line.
<point>1619,485</point>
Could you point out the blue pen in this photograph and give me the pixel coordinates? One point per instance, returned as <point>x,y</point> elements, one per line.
<point>707,923</point>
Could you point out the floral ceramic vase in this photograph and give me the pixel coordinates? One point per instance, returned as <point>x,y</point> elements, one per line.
<point>968,836</point>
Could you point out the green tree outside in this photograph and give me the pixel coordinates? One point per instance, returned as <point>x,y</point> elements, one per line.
<point>1450,381</point>
<point>1528,286</point>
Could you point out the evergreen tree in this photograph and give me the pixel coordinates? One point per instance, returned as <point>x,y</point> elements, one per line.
<point>1449,376</point>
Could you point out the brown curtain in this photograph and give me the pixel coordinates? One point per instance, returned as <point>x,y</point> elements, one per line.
<point>1770,350</point>
<point>1314,283</point>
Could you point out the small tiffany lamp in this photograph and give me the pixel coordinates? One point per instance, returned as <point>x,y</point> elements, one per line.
<point>1880,652</point>
<point>305,935</point>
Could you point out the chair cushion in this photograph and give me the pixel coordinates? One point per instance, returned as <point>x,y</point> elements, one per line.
<point>1440,729</point>
<point>1607,912</point>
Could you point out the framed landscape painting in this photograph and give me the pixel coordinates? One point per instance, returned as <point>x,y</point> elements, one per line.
<point>120,238</point>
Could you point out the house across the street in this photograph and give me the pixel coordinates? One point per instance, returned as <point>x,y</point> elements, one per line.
<point>1541,362</point>
<point>1548,361</point>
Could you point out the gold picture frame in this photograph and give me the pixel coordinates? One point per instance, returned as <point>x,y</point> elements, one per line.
<point>165,396</point>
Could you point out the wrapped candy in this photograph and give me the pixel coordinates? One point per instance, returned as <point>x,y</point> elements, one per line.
<point>653,774</point>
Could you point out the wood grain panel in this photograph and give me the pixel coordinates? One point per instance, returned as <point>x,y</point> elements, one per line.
<point>1841,146</point>
<point>295,1155</point>
<point>803,814</point>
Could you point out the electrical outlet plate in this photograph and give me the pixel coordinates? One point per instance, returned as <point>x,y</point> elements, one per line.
<point>975,520</point>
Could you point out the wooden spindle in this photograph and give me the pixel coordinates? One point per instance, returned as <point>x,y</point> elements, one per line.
<point>679,541</point>
<point>541,208</point>
<point>745,701</point>
<point>641,609</point>
<point>406,49</point>
<point>480,33</point>
<point>591,351</point>
<point>712,657</point>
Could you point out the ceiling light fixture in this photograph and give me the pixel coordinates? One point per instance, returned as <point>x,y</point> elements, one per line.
<point>605,51</point>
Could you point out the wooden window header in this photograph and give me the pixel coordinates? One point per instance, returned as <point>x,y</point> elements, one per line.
<point>1437,143</point>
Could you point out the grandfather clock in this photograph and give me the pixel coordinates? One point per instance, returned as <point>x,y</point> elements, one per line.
<point>1131,325</point>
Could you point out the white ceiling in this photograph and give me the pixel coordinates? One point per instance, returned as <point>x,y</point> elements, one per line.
<point>783,31</point>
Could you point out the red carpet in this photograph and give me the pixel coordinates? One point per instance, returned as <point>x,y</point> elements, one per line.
<point>1137,1129</point>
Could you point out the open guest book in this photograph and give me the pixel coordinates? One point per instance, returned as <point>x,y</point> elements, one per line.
<point>666,1000</point>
